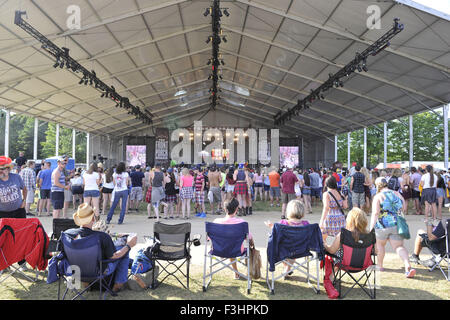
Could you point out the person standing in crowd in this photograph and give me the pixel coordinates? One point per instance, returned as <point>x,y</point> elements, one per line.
<point>316,189</point>
<point>215,178</point>
<point>416,177</point>
<point>45,186</point>
<point>333,216</point>
<point>158,183</point>
<point>121,181</point>
<point>428,182</point>
<point>108,188</point>
<point>199,193</point>
<point>76,184</point>
<point>258,184</point>
<point>91,181</point>
<point>357,188</point>
<point>137,184</point>
<point>186,192</point>
<point>440,194</point>
<point>230,183</point>
<point>275,193</point>
<point>367,193</point>
<point>405,186</point>
<point>171,194</point>
<point>28,176</point>
<point>146,180</point>
<point>287,181</point>
<point>299,185</point>
<point>250,192</point>
<point>223,185</point>
<point>241,188</point>
<point>21,160</point>
<point>385,206</point>
<point>58,188</point>
<point>266,182</point>
<point>306,192</point>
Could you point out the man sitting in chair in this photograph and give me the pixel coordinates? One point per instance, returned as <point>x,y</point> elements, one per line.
<point>84,217</point>
<point>231,208</point>
<point>425,238</point>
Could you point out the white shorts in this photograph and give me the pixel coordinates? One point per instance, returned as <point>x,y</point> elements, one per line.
<point>30,196</point>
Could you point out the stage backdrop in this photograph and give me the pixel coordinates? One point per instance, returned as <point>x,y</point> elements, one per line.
<point>162,147</point>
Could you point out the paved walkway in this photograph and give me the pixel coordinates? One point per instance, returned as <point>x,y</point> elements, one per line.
<point>139,224</point>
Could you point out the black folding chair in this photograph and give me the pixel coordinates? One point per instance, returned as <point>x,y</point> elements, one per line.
<point>59,226</point>
<point>173,247</point>
<point>440,250</point>
<point>358,257</point>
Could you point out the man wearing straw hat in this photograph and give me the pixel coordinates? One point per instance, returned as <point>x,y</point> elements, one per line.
<point>84,217</point>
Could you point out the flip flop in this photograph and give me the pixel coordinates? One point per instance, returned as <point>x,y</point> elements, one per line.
<point>411,273</point>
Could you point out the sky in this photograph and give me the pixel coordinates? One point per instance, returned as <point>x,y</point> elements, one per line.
<point>440,5</point>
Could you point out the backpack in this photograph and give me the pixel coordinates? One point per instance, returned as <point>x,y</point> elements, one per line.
<point>393,183</point>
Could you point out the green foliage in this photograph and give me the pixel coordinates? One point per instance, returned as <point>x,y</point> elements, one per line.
<point>428,135</point>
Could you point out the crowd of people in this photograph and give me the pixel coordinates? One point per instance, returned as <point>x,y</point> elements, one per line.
<point>234,189</point>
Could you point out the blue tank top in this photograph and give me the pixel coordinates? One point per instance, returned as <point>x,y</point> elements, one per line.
<point>62,180</point>
<point>240,175</point>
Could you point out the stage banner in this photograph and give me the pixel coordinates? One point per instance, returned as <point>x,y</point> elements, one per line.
<point>162,147</point>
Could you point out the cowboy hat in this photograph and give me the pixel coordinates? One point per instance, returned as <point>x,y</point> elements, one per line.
<point>6,162</point>
<point>84,214</point>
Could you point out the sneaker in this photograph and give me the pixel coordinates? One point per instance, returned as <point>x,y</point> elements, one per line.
<point>202,215</point>
<point>198,214</point>
<point>414,258</point>
<point>23,267</point>
<point>271,204</point>
<point>430,263</point>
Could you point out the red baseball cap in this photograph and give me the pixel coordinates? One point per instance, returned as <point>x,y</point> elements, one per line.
<point>354,164</point>
<point>5,161</point>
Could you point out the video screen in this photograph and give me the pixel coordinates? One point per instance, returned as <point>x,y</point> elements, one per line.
<point>289,156</point>
<point>220,154</point>
<point>136,155</point>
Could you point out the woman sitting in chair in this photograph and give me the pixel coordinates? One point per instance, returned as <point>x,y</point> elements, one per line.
<point>231,208</point>
<point>357,224</point>
<point>295,211</point>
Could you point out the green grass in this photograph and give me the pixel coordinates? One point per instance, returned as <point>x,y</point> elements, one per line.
<point>394,286</point>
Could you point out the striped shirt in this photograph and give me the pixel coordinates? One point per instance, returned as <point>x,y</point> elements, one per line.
<point>199,182</point>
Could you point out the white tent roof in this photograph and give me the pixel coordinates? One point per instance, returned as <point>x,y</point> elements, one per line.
<point>154,52</point>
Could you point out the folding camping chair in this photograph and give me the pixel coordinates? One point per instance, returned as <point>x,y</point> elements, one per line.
<point>440,250</point>
<point>59,226</point>
<point>357,257</point>
<point>172,246</point>
<point>20,239</point>
<point>224,241</point>
<point>86,255</point>
<point>292,243</point>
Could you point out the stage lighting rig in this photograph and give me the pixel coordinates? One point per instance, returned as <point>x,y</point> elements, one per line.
<point>334,80</point>
<point>63,57</point>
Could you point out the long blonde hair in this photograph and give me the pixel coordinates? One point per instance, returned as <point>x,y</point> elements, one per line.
<point>356,222</point>
<point>365,172</point>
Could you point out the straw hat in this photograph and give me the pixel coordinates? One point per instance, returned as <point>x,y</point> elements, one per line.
<point>84,214</point>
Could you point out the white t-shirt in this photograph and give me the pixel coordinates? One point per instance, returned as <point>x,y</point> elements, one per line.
<point>90,181</point>
<point>120,181</point>
<point>76,181</point>
<point>107,185</point>
<point>426,180</point>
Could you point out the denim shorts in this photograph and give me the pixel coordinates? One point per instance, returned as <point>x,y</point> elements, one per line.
<point>91,193</point>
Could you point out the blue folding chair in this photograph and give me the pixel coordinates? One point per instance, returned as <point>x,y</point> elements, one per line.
<point>224,241</point>
<point>85,255</point>
<point>294,242</point>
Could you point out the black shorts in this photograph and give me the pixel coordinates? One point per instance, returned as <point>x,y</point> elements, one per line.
<point>437,247</point>
<point>77,190</point>
<point>57,200</point>
<point>16,214</point>
<point>45,194</point>
<point>107,190</point>
<point>415,194</point>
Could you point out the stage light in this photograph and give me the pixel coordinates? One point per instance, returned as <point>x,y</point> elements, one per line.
<point>225,11</point>
<point>207,12</point>
<point>81,81</point>
<point>208,40</point>
<point>224,39</point>
<point>223,62</point>
<point>56,64</point>
<point>209,62</point>
<point>62,64</point>
<point>86,81</point>
<point>103,95</point>
<point>359,68</point>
